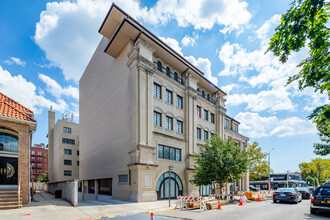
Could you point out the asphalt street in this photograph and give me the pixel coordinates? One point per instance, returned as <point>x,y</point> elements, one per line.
<point>252,211</point>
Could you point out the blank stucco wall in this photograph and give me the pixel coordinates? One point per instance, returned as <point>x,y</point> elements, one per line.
<point>69,190</point>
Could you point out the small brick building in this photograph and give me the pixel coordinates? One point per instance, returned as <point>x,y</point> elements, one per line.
<point>16,127</point>
<point>39,161</point>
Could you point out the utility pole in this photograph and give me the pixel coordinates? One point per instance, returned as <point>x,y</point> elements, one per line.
<point>269,169</point>
<point>169,185</point>
<point>287,179</point>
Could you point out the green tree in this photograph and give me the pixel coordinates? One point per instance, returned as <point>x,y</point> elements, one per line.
<point>43,179</point>
<point>319,169</point>
<point>316,182</point>
<point>258,165</point>
<point>306,23</point>
<point>219,161</point>
<point>310,181</point>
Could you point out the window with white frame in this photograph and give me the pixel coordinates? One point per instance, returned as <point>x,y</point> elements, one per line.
<point>212,118</point>
<point>206,115</point>
<point>235,127</point>
<point>169,96</point>
<point>199,135</point>
<point>157,91</point>
<point>157,119</point>
<point>169,123</point>
<point>179,101</point>
<point>179,126</point>
<point>227,123</point>
<point>206,135</point>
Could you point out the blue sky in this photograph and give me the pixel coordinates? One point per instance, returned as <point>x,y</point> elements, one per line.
<point>45,47</point>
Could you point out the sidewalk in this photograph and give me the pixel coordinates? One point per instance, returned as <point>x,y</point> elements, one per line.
<point>49,208</point>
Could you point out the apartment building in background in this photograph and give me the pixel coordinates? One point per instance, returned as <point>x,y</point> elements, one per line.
<point>16,127</point>
<point>39,161</point>
<point>63,148</point>
<point>144,113</point>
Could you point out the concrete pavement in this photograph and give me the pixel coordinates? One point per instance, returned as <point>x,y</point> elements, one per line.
<point>49,208</point>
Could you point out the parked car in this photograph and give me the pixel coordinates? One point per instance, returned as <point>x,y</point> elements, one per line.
<point>311,189</point>
<point>306,194</point>
<point>321,199</point>
<point>287,195</point>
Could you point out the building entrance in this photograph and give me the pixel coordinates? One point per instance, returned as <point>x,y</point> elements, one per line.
<point>8,171</point>
<point>163,186</point>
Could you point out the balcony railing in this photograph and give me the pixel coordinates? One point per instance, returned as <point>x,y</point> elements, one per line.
<point>171,75</point>
<point>231,129</point>
<point>208,98</point>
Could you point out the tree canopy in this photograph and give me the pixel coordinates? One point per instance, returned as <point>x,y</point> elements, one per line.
<point>318,169</point>
<point>219,161</point>
<point>306,23</point>
<point>258,165</point>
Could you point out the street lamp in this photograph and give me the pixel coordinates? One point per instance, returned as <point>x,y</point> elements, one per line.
<point>269,169</point>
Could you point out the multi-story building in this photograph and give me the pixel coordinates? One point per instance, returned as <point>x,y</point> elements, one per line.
<point>16,127</point>
<point>144,112</point>
<point>39,161</point>
<point>63,149</point>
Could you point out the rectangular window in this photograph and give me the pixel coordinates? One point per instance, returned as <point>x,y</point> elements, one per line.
<point>212,135</point>
<point>206,135</point>
<point>227,123</point>
<point>199,111</point>
<point>166,153</point>
<point>123,179</point>
<point>199,135</point>
<point>206,115</point>
<point>32,152</point>
<point>67,130</point>
<point>77,162</point>
<point>178,154</point>
<point>68,151</point>
<point>157,119</point>
<point>68,162</point>
<point>169,153</point>
<point>169,96</point>
<point>105,187</point>
<point>39,165</point>
<point>235,127</point>
<point>172,154</point>
<point>91,186</point>
<point>67,173</point>
<point>169,123</point>
<point>32,164</point>
<point>39,159</point>
<point>39,153</point>
<point>68,141</point>
<point>157,91</point>
<point>179,101</point>
<point>179,127</point>
<point>32,158</point>
<point>77,152</point>
<point>212,118</point>
<point>45,160</point>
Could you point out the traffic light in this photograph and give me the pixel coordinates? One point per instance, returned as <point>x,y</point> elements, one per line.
<point>266,181</point>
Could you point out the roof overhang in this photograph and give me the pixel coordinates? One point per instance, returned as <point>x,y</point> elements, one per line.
<point>32,125</point>
<point>120,28</point>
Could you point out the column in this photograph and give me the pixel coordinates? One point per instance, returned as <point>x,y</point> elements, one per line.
<point>96,191</point>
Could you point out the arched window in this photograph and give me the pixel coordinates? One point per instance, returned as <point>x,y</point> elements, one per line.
<point>8,142</point>
<point>168,72</point>
<point>208,96</point>
<point>203,93</point>
<point>159,66</point>
<point>176,78</point>
<point>162,186</point>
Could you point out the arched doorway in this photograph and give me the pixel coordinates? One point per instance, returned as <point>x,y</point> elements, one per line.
<point>163,187</point>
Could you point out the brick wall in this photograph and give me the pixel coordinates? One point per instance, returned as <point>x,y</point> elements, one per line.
<point>23,154</point>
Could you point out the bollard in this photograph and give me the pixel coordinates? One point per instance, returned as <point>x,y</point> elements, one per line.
<point>219,205</point>
<point>152,216</point>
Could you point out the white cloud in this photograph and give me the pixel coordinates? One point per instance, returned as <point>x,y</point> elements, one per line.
<point>202,14</point>
<point>255,126</point>
<point>174,44</point>
<point>228,88</point>
<point>272,100</point>
<point>15,60</point>
<point>24,92</point>
<point>205,66</point>
<point>56,90</point>
<point>189,41</point>
<point>68,31</point>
